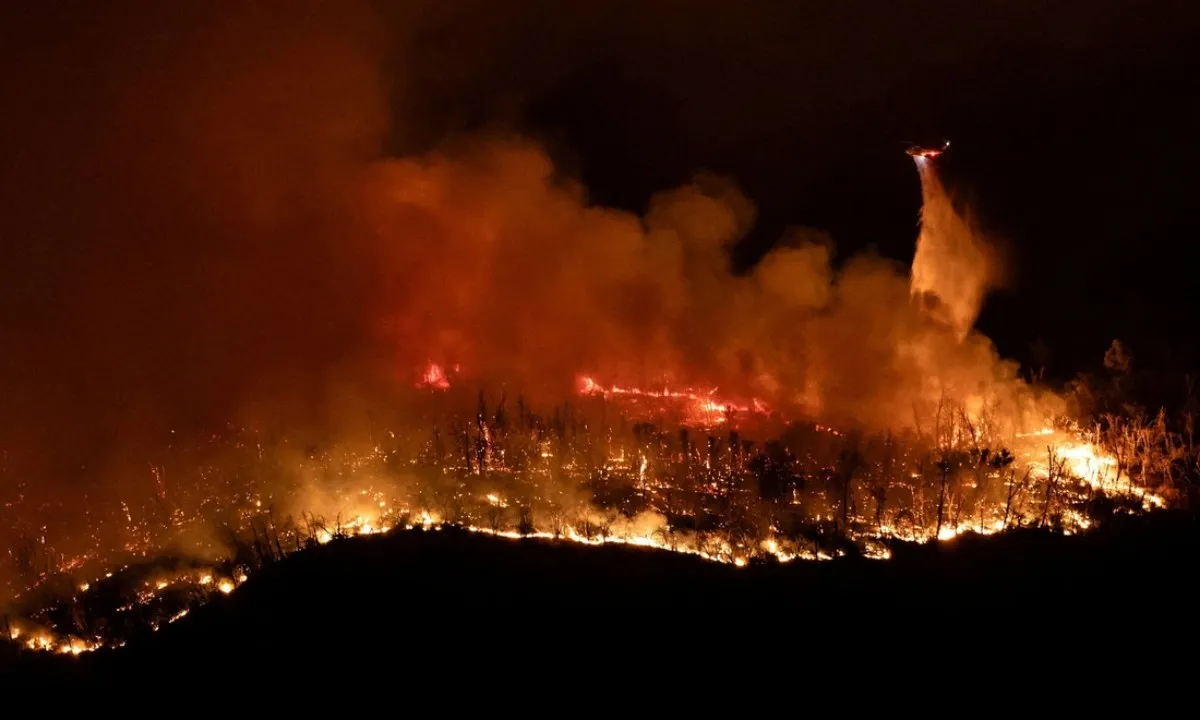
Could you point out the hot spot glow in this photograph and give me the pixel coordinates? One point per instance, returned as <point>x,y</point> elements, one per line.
<point>697,407</point>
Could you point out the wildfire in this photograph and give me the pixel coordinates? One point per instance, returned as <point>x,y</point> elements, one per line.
<point>1076,459</point>
<point>702,408</point>
<point>684,487</point>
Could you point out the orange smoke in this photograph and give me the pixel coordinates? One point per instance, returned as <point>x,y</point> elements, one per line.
<point>494,261</point>
<point>214,235</point>
<point>249,252</point>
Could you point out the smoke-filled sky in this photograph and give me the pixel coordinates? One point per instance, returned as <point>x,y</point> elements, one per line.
<point>213,209</point>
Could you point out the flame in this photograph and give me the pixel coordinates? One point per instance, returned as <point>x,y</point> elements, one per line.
<point>434,378</point>
<point>701,408</point>
<point>1084,463</point>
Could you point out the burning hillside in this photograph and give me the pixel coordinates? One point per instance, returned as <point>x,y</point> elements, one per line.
<point>347,343</point>
<point>729,488</point>
<point>794,460</point>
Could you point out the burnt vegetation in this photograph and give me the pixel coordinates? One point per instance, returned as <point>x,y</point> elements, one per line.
<point>807,491</point>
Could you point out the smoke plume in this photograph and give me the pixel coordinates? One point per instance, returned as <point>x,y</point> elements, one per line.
<point>207,230</point>
<point>502,268</point>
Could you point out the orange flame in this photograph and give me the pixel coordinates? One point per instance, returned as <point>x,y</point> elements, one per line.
<point>434,378</point>
<point>699,407</point>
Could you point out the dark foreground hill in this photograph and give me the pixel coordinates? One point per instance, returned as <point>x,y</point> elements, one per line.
<point>416,594</point>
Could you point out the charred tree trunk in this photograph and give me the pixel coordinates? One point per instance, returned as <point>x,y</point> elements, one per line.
<point>880,494</point>
<point>944,469</point>
<point>1012,491</point>
<point>1051,478</point>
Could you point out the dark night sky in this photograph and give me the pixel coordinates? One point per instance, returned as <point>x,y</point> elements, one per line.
<point>131,130</point>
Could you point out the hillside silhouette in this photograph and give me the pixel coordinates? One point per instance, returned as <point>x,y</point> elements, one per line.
<point>454,594</point>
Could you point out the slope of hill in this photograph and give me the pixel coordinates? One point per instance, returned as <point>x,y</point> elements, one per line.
<point>458,594</point>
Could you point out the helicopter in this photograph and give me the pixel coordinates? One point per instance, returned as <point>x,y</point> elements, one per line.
<point>921,151</point>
